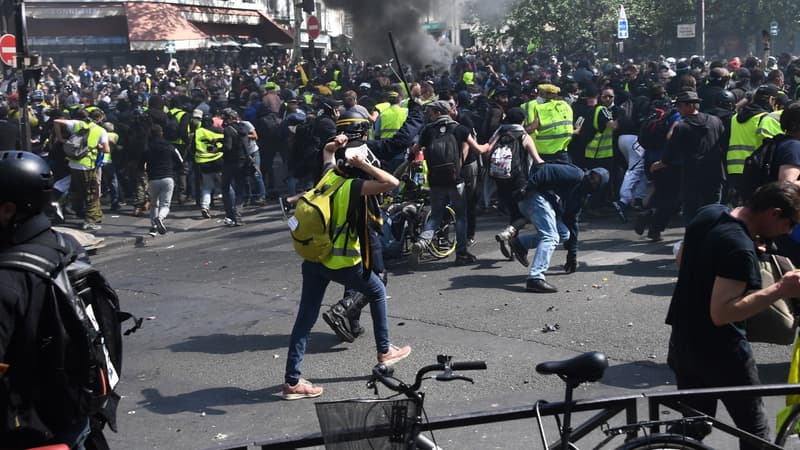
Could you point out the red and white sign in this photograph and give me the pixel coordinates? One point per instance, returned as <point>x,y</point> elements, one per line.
<point>8,49</point>
<point>312,26</point>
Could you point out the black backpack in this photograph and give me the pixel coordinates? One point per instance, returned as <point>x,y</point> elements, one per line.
<point>759,168</point>
<point>654,127</point>
<point>79,342</point>
<point>443,155</point>
<point>268,126</point>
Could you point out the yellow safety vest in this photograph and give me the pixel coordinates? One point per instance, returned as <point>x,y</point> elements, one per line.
<point>95,132</point>
<point>747,137</point>
<point>309,98</point>
<point>392,118</point>
<point>178,113</point>
<point>555,127</point>
<point>381,106</point>
<point>113,141</point>
<point>202,138</point>
<point>346,250</point>
<point>602,144</point>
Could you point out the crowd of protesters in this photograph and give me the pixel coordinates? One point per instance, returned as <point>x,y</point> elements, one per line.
<point>221,128</point>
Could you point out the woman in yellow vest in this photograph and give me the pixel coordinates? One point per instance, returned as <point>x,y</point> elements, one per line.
<point>345,264</point>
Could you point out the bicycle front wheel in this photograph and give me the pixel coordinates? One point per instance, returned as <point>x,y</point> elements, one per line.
<point>664,441</point>
<point>787,435</point>
<point>443,243</point>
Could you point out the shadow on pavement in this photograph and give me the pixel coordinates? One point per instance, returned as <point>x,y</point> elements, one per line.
<point>227,344</point>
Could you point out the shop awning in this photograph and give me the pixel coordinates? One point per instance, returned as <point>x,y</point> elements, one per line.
<point>238,23</point>
<point>152,25</point>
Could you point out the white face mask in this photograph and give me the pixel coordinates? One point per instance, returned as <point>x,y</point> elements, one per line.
<point>797,78</point>
<point>540,100</point>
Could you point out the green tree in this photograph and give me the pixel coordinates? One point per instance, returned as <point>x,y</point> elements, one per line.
<point>571,26</point>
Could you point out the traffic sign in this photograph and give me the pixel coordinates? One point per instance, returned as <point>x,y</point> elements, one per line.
<point>622,24</point>
<point>8,49</point>
<point>312,26</point>
<point>686,30</point>
<point>169,47</point>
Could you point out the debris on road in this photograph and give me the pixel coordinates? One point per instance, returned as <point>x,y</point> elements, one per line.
<point>550,328</point>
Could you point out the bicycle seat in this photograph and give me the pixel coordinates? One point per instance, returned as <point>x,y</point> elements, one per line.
<point>580,369</point>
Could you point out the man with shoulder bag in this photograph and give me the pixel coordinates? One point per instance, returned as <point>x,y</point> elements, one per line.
<point>720,286</point>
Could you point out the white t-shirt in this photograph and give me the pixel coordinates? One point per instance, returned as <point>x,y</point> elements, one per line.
<point>249,144</point>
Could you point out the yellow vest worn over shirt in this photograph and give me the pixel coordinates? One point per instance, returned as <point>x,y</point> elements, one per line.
<point>602,144</point>
<point>202,141</point>
<point>392,118</point>
<point>95,132</point>
<point>346,250</point>
<point>178,113</point>
<point>555,127</point>
<point>746,138</point>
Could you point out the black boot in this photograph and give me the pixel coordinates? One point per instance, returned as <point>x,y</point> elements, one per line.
<point>336,319</point>
<point>353,314</point>
<point>572,263</point>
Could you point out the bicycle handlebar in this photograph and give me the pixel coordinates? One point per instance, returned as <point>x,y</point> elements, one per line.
<point>383,373</point>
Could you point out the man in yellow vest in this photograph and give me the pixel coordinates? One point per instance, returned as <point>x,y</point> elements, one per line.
<point>599,151</point>
<point>749,127</point>
<point>345,264</point>
<point>84,171</point>
<point>208,142</point>
<point>392,117</point>
<point>550,123</point>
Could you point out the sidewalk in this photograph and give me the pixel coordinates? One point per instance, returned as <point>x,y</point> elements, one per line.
<point>121,228</point>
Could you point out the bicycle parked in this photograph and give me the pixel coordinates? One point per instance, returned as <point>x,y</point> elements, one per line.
<point>387,423</point>
<point>677,433</point>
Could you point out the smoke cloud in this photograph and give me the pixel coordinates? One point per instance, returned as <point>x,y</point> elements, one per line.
<point>373,19</point>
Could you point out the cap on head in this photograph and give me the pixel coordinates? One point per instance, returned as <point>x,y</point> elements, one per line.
<point>440,106</point>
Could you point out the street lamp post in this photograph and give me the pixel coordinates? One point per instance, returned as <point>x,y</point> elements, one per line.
<point>700,29</point>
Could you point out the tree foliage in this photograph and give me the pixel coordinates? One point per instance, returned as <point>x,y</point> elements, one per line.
<point>574,26</point>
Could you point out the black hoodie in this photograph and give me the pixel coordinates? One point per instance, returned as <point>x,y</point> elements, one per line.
<point>696,143</point>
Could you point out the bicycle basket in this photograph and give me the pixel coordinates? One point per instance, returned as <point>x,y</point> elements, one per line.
<point>367,424</point>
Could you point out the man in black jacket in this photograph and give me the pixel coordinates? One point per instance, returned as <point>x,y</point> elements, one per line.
<point>33,411</point>
<point>697,142</point>
<point>554,197</point>
<point>164,163</point>
<point>235,166</point>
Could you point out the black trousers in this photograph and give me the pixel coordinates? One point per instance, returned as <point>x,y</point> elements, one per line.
<point>734,369</point>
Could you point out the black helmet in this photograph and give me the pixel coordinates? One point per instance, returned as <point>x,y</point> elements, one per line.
<point>25,180</point>
<point>725,100</point>
<point>352,124</point>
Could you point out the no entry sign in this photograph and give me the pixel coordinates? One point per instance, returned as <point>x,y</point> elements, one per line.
<point>8,49</point>
<point>313,27</point>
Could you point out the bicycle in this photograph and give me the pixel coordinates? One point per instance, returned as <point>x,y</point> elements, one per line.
<point>590,367</point>
<point>787,435</point>
<point>406,215</point>
<point>387,423</point>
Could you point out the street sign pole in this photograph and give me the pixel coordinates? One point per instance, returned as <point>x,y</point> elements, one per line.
<point>22,79</point>
<point>622,32</point>
<point>700,29</point>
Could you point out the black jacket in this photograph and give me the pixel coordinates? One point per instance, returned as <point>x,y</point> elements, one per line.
<point>163,160</point>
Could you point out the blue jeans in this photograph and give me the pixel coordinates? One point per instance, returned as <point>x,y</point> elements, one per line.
<point>315,280</point>
<point>255,182</point>
<point>548,231</point>
<point>440,196</point>
<point>209,182</point>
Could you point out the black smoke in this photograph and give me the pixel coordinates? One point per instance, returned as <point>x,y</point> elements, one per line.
<point>373,19</point>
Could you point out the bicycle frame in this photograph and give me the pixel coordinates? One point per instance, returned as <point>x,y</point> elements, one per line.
<point>607,408</point>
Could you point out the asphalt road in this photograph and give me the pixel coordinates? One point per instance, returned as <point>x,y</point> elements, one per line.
<point>207,368</point>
